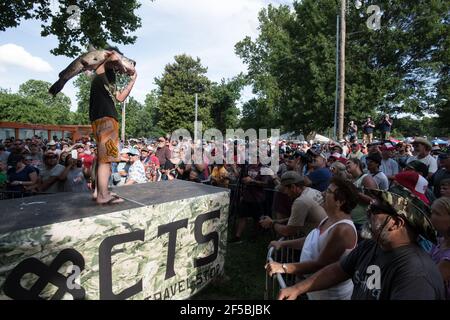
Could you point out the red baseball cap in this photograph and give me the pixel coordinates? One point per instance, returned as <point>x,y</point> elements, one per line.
<point>414,182</point>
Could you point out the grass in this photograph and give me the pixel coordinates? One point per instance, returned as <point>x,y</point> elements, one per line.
<point>244,277</point>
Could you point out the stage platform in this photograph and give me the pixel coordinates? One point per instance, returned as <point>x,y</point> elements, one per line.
<point>166,241</point>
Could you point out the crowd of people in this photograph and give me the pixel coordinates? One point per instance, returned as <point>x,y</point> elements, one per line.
<point>379,226</point>
<point>350,207</point>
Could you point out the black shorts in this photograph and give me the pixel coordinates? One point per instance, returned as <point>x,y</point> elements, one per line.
<point>251,209</point>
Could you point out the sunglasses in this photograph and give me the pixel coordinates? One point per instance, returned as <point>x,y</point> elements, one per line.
<point>51,157</point>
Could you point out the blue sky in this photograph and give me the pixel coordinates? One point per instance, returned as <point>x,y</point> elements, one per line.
<point>207,29</point>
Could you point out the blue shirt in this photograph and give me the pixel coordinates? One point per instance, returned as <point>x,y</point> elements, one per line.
<point>320,179</point>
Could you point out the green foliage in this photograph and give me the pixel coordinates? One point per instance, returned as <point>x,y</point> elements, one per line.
<point>177,87</point>
<point>225,95</point>
<point>397,69</point>
<point>33,104</point>
<point>83,84</point>
<point>426,126</point>
<point>100,21</point>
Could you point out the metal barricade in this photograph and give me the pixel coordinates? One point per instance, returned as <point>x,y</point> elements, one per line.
<point>280,280</point>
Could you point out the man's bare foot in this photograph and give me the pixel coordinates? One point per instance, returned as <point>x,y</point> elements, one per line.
<point>113,200</point>
<point>112,194</point>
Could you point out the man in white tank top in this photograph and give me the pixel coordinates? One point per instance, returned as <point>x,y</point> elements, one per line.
<point>334,238</point>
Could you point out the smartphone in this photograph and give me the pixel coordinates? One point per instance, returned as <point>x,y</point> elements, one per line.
<point>74,154</point>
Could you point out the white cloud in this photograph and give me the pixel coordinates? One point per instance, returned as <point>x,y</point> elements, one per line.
<point>14,55</point>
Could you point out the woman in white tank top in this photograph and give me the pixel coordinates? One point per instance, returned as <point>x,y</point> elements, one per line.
<point>334,238</point>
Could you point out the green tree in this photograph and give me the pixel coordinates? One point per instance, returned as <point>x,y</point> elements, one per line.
<point>291,64</point>
<point>100,21</point>
<point>32,104</point>
<point>225,96</point>
<point>177,87</point>
<point>83,84</point>
<point>57,109</point>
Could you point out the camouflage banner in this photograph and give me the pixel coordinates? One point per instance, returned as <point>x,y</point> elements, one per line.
<point>164,251</point>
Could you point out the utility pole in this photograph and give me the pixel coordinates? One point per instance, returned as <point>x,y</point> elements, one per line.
<point>342,73</point>
<point>123,120</point>
<point>195,123</point>
<point>336,98</point>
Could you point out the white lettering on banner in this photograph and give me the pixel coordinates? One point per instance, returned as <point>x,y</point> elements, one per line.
<point>73,281</point>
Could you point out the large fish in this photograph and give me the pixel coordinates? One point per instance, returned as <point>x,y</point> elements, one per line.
<point>90,61</point>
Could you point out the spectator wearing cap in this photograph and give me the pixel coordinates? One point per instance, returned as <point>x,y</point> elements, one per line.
<point>319,178</point>
<point>292,163</point>
<point>373,165</point>
<point>333,239</point>
<point>355,151</point>
<point>401,156</point>
<point>136,173</point>
<point>120,172</point>
<point>440,253</point>
<point>388,165</point>
<point>21,178</point>
<point>400,269</point>
<point>306,211</point>
<point>339,170</point>
<point>162,152</point>
<point>421,169</point>
<point>87,158</point>
<point>442,173</point>
<point>422,149</point>
<point>414,182</point>
<point>361,181</point>
<point>51,146</point>
<point>49,176</point>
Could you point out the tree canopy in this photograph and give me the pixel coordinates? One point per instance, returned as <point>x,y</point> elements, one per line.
<point>100,21</point>
<point>397,69</point>
<point>32,104</point>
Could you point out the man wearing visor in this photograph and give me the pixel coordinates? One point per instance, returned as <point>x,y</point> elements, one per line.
<point>389,264</point>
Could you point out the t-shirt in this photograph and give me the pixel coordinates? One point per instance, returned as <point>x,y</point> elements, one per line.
<point>389,167</point>
<point>320,179</point>
<point>429,161</point>
<point>438,254</point>
<point>4,156</point>
<point>367,129</point>
<point>23,175</point>
<point>404,273</point>
<point>381,180</point>
<point>102,97</point>
<point>75,181</point>
<point>137,172</point>
<point>307,211</point>
<point>46,174</point>
<point>385,127</point>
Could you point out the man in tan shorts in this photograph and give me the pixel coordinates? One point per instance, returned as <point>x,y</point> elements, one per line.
<point>105,125</point>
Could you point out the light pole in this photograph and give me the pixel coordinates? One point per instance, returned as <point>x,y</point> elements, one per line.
<point>195,123</point>
<point>336,98</point>
<point>340,119</point>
